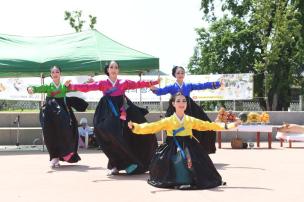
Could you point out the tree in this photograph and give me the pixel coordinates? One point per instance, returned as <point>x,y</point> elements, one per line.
<point>76,22</point>
<point>260,36</point>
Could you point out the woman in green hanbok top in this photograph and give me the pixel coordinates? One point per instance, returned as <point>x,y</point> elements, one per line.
<point>58,121</point>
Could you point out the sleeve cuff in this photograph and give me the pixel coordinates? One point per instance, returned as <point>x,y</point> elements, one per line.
<point>216,85</point>
<point>152,83</point>
<point>71,87</point>
<point>134,128</point>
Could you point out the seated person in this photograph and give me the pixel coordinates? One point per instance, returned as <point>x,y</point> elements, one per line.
<point>83,130</point>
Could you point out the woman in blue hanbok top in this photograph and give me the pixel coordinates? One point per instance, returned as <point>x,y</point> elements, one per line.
<point>206,138</point>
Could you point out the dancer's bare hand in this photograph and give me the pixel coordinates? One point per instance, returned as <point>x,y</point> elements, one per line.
<point>90,80</point>
<point>159,79</point>
<point>222,84</point>
<point>67,83</point>
<point>234,124</point>
<point>30,90</point>
<point>152,88</point>
<point>130,124</point>
<point>189,163</point>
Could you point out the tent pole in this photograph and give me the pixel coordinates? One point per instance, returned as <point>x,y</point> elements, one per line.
<point>42,94</point>
<point>161,110</point>
<point>41,104</point>
<point>140,98</point>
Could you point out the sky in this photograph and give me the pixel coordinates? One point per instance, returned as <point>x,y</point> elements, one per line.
<point>162,28</point>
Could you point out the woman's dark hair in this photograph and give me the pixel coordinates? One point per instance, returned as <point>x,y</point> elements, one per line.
<point>105,70</point>
<point>173,98</point>
<point>175,68</point>
<point>56,68</point>
<point>107,67</point>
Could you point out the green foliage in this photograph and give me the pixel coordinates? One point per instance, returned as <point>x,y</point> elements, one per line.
<point>260,36</point>
<point>76,22</point>
<point>93,21</point>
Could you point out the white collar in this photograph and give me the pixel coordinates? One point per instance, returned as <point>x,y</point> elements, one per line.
<point>57,86</point>
<point>181,121</point>
<point>113,83</point>
<point>180,86</point>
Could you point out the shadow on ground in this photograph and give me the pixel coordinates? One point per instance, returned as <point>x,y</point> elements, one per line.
<point>75,167</point>
<point>124,176</point>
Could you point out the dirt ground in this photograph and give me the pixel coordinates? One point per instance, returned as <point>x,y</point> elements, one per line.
<point>258,174</point>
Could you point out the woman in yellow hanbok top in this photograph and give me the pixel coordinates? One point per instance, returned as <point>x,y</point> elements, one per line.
<point>181,162</point>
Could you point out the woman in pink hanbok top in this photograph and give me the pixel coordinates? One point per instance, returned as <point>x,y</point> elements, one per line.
<point>124,150</point>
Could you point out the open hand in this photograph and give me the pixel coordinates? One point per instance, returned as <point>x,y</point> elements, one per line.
<point>222,84</point>
<point>189,164</point>
<point>90,80</point>
<point>30,90</point>
<point>159,79</point>
<point>130,125</point>
<point>233,124</point>
<point>152,88</point>
<point>67,83</point>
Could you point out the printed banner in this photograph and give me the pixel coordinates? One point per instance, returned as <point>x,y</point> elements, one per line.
<point>237,87</point>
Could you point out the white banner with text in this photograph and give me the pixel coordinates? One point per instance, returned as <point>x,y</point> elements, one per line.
<point>237,87</point>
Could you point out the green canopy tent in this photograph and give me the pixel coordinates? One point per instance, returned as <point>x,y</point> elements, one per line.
<point>84,53</point>
<point>77,54</point>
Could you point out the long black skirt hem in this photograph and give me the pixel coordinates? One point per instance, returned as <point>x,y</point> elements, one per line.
<point>119,144</point>
<point>59,127</point>
<point>163,173</point>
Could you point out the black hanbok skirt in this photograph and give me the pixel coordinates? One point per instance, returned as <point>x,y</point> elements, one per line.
<point>164,172</point>
<point>206,138</point>
<point>119,144</point>
<point>59,126</point>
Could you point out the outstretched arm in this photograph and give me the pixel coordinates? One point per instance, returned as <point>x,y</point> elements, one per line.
<point>86,87</point>
<point>129,85</point>
<point>200,125</point>
<point>37,89</point>
<point>207,85</point>
<point>149,128</point>
<point>162,91</point>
